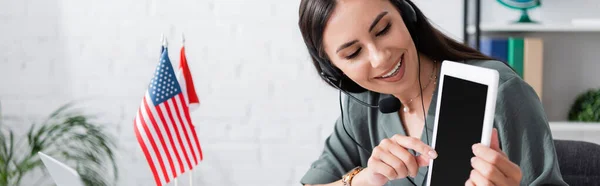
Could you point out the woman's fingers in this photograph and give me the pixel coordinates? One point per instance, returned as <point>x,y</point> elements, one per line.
<point>497,159</point>
<point>495,142</point>
<point>379,167</point>
<point>488,171</point>
<point>491,165</point>
<point>407,158</point>
<point>415,144</point>
<point>423,161</point>
<point>392,161</point>
<point>469,183</point>
<point>479,179</point>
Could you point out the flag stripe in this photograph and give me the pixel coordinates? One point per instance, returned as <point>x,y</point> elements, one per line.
<point>169,144</point>
<point>182,131</point>
<point>153,145</point>
<point>145,150</point>
<point>185,131</point>
<point>146,140</point>
<point>185,123</point>
<point>159,132</point>
<point>166,123</point>
<point>175,124</point>
<point>192,128</point>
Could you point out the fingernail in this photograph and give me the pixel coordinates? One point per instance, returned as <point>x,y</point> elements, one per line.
<point>432,154</point>
<point>474,147</point>
<point>472,159</point>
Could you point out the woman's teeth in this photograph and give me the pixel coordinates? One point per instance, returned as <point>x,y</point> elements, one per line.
<point>394,71</point>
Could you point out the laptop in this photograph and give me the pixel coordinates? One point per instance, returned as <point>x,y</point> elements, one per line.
<point>62,174</point>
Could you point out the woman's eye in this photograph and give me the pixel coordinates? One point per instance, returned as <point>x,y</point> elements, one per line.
<point>354,54</point>
<point>387,27</point>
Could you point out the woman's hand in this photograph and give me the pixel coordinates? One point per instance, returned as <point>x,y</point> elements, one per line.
<point>391,160</point>
<point>492,167</point>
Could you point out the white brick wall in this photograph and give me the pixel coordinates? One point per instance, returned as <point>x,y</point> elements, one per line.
<point>258,123</point>
<point>264,112</point>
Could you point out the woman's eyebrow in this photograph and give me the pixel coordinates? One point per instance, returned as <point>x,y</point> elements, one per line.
<point>377,19</point>
<point>345,45</point>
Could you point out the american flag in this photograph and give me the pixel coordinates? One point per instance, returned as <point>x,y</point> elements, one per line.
<point>163,126</point>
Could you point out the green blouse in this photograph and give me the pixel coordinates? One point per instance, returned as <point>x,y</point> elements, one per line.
<point>522,126</point>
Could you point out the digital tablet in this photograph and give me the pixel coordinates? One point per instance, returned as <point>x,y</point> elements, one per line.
<point>464,116</point>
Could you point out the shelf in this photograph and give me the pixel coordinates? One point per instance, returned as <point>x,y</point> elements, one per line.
<point>574,126</point>
<point>564,27</point>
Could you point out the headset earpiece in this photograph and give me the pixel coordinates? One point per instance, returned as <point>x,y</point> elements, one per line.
<point>335,76</point>
<point>407,11</point>
<point>409,15</point>
<point>329,79</point>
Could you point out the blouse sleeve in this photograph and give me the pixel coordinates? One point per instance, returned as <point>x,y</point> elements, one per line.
<point>525,135</point>
<point>339,156</point>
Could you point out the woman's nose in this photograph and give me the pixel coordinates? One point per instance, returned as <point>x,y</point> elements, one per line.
<point>378,56</point>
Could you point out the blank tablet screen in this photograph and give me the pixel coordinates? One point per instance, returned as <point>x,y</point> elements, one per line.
<point>460,125</point>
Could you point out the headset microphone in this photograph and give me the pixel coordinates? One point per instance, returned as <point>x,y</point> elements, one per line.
<point>389,105</point>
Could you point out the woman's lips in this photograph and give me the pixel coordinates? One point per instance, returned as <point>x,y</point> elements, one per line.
<point>398,75</point>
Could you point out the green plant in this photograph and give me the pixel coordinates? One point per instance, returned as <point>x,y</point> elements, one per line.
<point>67,135</point>
<point>586,107</point>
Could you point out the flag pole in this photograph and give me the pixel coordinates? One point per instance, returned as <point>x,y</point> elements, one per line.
<point>162,44</point>
<point>165,42</point>
<point>182,39</point>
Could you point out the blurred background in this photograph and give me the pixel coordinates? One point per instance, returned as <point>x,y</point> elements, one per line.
<point>264,113</point>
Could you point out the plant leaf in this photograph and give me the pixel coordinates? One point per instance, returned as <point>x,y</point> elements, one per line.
<point>4,163</point>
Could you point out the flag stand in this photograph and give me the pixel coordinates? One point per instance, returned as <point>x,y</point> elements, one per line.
<point>191,176</point>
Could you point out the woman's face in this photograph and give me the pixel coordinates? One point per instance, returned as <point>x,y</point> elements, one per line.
<point>369,42</point>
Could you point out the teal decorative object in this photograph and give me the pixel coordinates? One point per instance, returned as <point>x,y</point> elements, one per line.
<point>586,107</point>
<point>522,5</point>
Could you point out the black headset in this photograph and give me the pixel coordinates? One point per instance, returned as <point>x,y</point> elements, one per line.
<point>335,77</point>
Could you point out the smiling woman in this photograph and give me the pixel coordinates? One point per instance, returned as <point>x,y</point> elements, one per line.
<point>381,48</point>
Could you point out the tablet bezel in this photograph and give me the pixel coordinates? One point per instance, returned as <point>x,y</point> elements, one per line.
<point>476,74</point>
